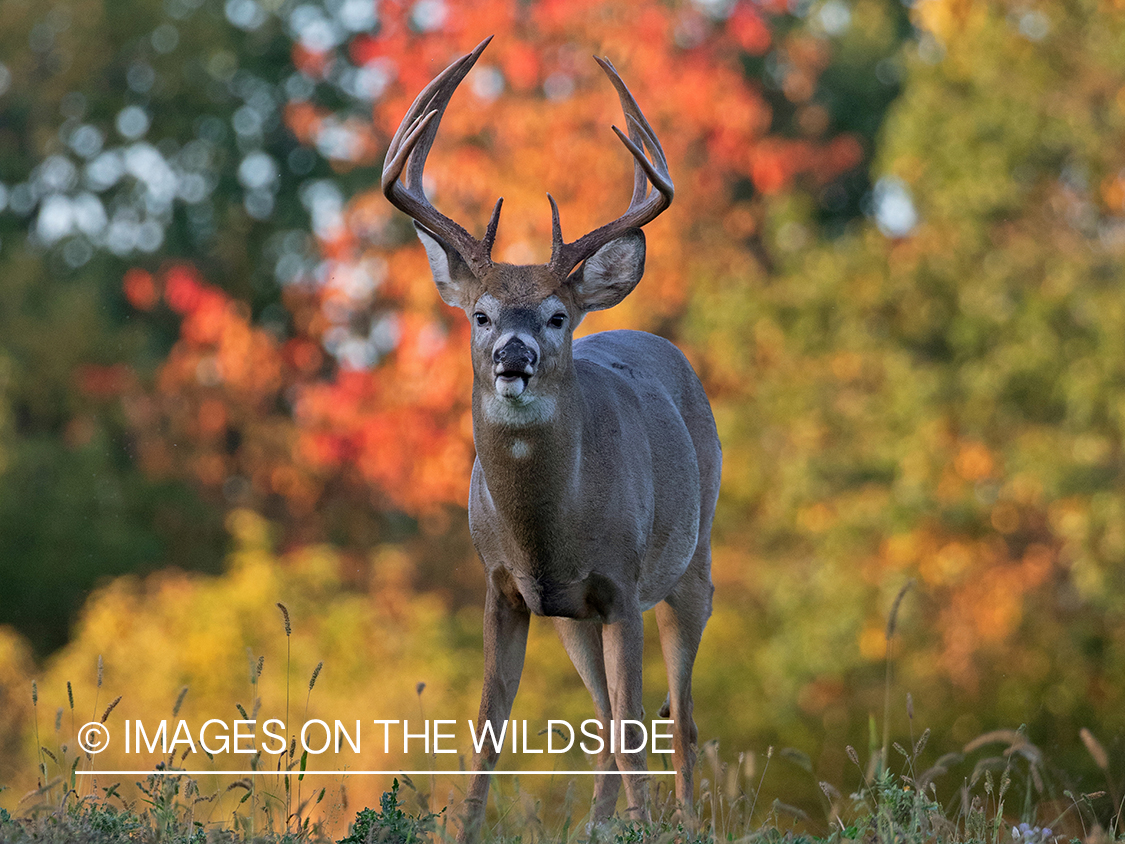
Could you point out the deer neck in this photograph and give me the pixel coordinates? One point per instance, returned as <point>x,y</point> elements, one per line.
<point>530,457</point>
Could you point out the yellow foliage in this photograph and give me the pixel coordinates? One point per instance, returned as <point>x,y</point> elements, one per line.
<point>946,18</point>
<point>16,673</point>
<point>387,654</point>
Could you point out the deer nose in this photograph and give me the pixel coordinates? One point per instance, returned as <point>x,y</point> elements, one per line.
<point>515,354</point>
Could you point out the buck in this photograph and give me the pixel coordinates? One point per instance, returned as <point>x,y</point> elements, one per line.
<point>597,468</point>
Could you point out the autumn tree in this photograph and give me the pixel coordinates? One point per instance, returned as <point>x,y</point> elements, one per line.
<point>389,426</point>
<point>936,396</point>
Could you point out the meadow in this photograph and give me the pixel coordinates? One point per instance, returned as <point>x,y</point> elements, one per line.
<point>998,788</point>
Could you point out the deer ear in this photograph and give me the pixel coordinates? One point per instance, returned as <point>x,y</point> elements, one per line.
<point>611,273</point>
<point>451,274</point>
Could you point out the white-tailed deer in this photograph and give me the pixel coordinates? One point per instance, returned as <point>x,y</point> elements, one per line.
<point>598,463</point>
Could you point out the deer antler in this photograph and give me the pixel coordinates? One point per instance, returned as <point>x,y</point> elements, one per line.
<point>408,150</point>
<point>415,136</point>
<point>644,207</point>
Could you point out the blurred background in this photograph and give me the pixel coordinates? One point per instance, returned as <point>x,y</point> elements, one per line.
<point>227,380</point>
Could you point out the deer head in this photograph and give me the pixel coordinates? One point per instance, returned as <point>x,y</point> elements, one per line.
<point>523,316</point>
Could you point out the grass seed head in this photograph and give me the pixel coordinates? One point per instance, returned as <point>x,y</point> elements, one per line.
<point>1095,749</point>
<point>921,743</point>
<point>110,708</point>
<point>285,618</point>
<point>179,701</point>
<point>892,618</point>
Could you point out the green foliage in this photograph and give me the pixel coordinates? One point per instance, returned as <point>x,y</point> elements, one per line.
<point>897,810</point>
<point>391,825</point>
<point>90,822</point>
<point>182,72</point>
<point>69,517</point>
<point>618,831</point>
<point>112,824</point>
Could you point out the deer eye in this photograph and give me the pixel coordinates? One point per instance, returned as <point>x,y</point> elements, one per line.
<point>557,321</point>
<point>481,319</point>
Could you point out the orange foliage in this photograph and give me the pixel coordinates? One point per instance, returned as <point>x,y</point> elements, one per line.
<point>749,30</point>
<point>978,587</point>
<point>103,382</point>
<point>304,120</point>
<point>140,289</point>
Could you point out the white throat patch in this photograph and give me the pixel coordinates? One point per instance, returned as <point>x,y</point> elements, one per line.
<point>524,411</point>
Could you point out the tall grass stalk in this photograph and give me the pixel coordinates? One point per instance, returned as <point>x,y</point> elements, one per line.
<point>38,746</point>
<point>288,663</point>
<point>98,687</point>
<point>892,622</point>
<point>761,779</point>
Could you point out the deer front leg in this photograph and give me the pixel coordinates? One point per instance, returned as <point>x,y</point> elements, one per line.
<point>623,645</point>
<point>583,643</point>
<point>505,642</point>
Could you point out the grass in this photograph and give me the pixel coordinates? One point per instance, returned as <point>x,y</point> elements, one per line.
<point>1009,798</point>
<point>1006,795</point>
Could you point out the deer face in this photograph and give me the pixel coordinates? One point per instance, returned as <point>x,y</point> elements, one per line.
<point>516,343</point>
<point>523,317</point>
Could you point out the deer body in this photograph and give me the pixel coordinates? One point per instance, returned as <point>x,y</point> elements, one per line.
<point>598,462</point>
<point>592,513</point>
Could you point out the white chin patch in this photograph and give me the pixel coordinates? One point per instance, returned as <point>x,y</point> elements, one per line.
<point>510,386</point>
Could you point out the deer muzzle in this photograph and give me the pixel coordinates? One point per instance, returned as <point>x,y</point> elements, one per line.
<point>514,359</point>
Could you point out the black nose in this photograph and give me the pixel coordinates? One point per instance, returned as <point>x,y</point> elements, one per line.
<point>515,356</point>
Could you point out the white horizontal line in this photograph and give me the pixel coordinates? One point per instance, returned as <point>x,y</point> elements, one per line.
<point>172,773</point>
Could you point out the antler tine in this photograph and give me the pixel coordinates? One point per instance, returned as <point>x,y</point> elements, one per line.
<point>422,105</point>
<point>639,131</point>
<point>645,205</point>
<point>428,106</point>
<point>408,151</point>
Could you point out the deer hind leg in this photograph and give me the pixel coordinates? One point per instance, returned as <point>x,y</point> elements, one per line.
<point>681,618</point>
<point>583,643</point>
<point>622,647</point>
